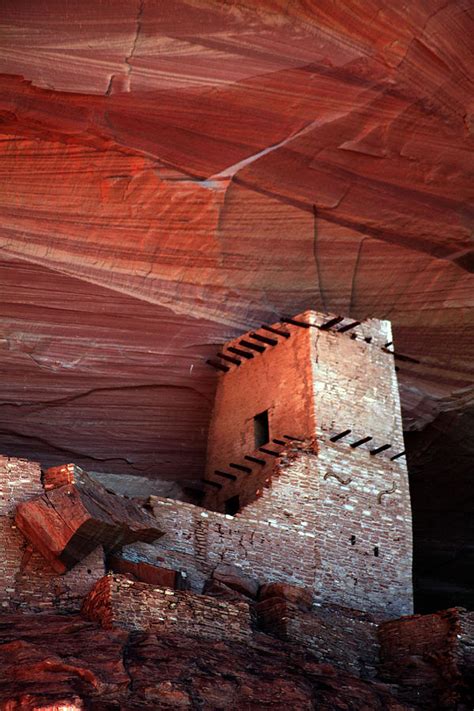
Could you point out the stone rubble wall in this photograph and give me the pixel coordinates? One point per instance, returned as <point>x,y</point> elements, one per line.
<point>313,384</point>
<point>429,656</point>
<point>278,380</point>
<point>198,540</point>
<point>356,387</point>
<point>336,635</point>
<point>27,582</point>
<point>118,601</point>
<point>337,522</point>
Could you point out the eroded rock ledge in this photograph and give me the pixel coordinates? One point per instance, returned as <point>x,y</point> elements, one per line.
<point>49,659</point>
<point>241,644</point>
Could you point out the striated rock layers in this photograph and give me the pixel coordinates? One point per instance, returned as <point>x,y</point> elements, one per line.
<point>175,173</point>
<point>65,661</point>
<point>51,659</point>
<point>173,177</point>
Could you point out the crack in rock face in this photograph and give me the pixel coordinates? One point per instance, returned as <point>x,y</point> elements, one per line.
<point>175,175</point>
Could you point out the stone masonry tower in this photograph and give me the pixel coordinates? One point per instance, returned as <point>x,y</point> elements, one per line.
<point>306,435</point>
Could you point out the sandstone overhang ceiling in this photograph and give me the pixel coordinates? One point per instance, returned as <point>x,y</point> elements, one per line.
<point>176,173</point>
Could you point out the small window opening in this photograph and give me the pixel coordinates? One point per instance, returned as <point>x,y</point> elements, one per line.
<point>261,429</point>
<point>376,551</point>
<point>353,540</point>
<point>232,505</point>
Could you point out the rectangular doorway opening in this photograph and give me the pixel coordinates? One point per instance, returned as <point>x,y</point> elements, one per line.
<point>232,505</point>
<point>261,429</point>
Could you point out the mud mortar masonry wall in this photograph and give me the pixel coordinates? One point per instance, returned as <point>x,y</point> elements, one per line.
<point>322,504</point>
<point>356,387</point>
<point>118,601</point>
<point>310,383</point>
<point>430,656</point>
<point>335,523</point>
<point>278,380</point>
<point>336,635</point>
<point>26,580</point>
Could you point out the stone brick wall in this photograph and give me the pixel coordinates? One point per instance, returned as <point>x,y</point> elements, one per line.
<point>335,634</point>
<point>197,540</point>
<point>355,386</point>
<point>364,530</point>
<point>354,501</point>
<point>429,656</point>
<point>278,380</point>
<point>20,480</point>
<point>337,522</point>
<point>262,485</point>
<point>334,519</point>
<point>118,601</point>
<point>313,383</point>
<point>26,580</point>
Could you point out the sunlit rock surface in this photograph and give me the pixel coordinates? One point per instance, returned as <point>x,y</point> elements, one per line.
<point>75,515</point>
<point>175,173</point>
<point>49,661</point>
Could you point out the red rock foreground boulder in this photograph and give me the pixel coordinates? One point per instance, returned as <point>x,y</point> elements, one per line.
<point>76,515</point>
<point>52,660</point>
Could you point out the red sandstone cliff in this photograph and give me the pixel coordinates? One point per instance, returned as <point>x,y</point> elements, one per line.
<point>175,173</point>
<point>52,659</point>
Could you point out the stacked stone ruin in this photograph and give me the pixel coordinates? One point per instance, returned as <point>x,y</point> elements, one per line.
<point>304,531</point>
<point>328,512</point>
